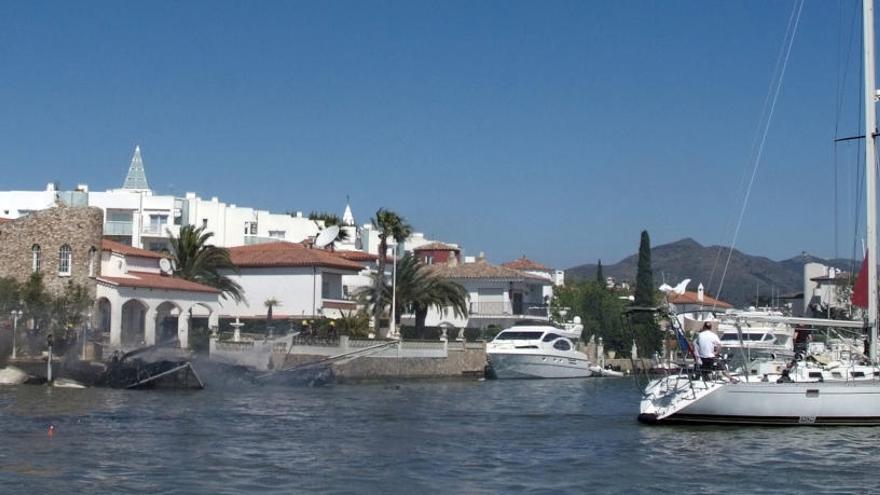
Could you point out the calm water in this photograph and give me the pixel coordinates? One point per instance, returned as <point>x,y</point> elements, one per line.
<point>450,437</point>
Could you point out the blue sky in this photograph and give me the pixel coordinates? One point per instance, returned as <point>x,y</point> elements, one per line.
<point>558,130</point>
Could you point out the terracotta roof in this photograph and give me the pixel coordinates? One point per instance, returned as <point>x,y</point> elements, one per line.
<point>436,246</point>
<point>146,280</point>
<point>287,254</point>
<point>483,270</point>
<point>5,220</point>
<point>691,298</point>
<point>120,248</point>
<point>524,264</point>
<point>357,256</point>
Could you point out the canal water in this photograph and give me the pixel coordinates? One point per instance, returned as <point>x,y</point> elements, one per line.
<point>555,436</point>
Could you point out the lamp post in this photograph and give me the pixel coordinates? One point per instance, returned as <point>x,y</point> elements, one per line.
<point>392,326</point>
<point>86,331</point>
<point>16,314</point>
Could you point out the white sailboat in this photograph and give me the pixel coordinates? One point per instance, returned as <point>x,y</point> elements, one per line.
<point>743,399</point>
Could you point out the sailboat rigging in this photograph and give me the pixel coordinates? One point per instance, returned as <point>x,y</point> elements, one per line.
<point>744,399</point>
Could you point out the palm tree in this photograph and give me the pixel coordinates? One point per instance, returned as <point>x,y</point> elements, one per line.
<point>329,219</point>
<point>418,290</point>
<point>389,224</point>
<point>198,261</point>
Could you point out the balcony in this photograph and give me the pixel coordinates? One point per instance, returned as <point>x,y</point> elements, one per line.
<point>155,230</point>
<point>117,228</point>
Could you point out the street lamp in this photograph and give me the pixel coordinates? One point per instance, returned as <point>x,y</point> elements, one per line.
<point>392,326</point>
<point>16,314</point>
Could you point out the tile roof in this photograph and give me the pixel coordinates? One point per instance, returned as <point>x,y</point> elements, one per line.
<point>120,248</point>
<point>5,220</point>
<point>145,280</point>
<point>436,246</point>
<point>690,297</point>
<point>357,256</point>
<point>524,264</point>
<point>287,254</point>
<point>484,270</point>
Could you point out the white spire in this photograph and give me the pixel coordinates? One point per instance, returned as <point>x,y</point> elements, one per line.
<point>136,178</point>
<point>347,217</point>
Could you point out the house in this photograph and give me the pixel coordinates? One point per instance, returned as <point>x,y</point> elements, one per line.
<point>497,295</point>
<point>140,303</point>
<point>523,264</point>
<point>693,308</point>
<point>307,282</point>
<point>61,242</point>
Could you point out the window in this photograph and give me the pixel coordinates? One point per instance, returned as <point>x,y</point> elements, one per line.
<point>93,255</point>
<point>250,228</point>
<point>158,223</point>
<point>562,345</point>
<point>204,223</point>
<point>549,337</point>
<point>65,260</point>
<point>514,335</point>
<point>278,234</point>
<point>35,258</point>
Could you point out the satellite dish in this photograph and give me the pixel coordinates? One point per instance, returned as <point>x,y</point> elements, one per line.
<point>327,236</point>
<point>165,266</point>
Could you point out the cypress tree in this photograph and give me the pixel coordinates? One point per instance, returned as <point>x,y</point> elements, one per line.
<point>600,277</point>
<point>644,276</point>
<point>647,335</point>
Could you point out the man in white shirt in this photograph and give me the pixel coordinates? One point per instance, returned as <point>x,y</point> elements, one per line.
<point>707,345</point>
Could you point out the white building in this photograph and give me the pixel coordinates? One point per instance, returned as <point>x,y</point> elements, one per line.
<point>139,303</point>
<point>496,295</point>
<point>307,282</point>
<point>556,277</point>
<point>135,215</point>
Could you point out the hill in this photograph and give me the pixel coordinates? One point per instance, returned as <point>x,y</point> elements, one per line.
<point>689,259</point>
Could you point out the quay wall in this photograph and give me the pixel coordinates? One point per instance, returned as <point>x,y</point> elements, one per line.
<point>461,359</point>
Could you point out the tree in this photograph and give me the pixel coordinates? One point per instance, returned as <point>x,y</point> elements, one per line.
<point>200,262</point>
<point>10,298</point>
<point>600,277</point>
<point>36,302</point>
<point>329,219</point>
<point>647,335</point>
<point>418,290</point>
<point>388,224</point>
<point>601,312</point>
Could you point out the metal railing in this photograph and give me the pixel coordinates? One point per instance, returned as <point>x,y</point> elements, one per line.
<point>506,308</point>
<point>155,229</point>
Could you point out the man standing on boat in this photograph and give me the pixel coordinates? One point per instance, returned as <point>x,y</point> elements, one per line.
<point>707,344</point>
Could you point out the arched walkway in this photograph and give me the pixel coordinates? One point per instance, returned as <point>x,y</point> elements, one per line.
<point>167,317</point>
<point>195,326</point>
<point>134,314</point>
<point>103,316</point>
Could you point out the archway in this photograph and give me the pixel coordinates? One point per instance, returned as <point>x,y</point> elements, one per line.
<point>167,315</point>
<point>134,314</point>
<point>103,316</point>
<point>195,325</point>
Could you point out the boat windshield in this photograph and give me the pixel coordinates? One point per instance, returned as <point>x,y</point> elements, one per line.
<point>519,335</point>
<point>747,337</point>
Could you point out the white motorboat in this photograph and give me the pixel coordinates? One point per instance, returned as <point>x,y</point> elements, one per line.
<point>537,351</point>
<point>11,375</point>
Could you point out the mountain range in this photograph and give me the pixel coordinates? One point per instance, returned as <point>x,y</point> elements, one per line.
<point>747,276</point>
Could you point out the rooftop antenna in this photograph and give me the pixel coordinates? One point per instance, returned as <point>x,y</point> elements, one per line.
<point>327,236</point>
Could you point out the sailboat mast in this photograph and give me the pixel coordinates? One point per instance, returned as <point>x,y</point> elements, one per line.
<point>870,173</point>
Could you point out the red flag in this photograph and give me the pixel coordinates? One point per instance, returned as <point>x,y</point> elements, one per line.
<point>860,289</point>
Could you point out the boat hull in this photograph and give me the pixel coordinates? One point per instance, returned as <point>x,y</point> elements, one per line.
<point>762,403</point>
<point>538,366</point>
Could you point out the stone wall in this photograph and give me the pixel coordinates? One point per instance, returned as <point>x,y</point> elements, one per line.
<point>79,227</point>
<point>463,359</point>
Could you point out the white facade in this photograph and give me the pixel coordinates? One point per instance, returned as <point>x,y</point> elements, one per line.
<point>303,292</point>
<point>135,311</point>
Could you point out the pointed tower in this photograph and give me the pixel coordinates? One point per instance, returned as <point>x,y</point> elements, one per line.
<point>136,180</point>
<point>347,217</point>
